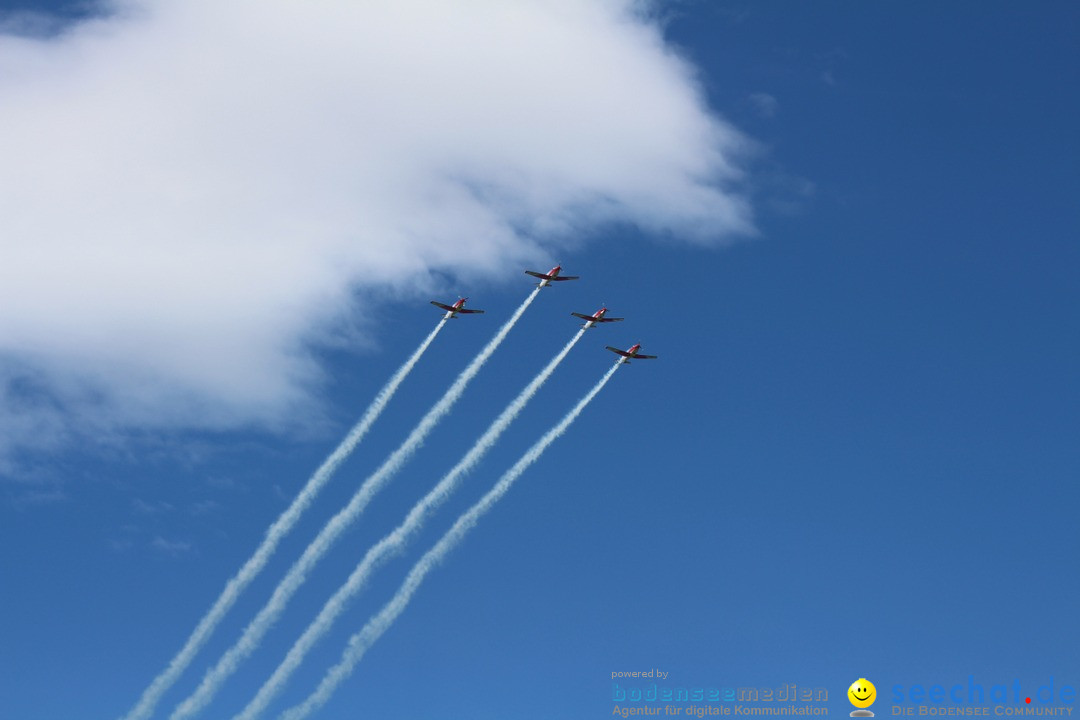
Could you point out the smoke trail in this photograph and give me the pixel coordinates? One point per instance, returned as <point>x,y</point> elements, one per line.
<point>373,630</point>
<point>397,539</point>
<point>255,630</point>
<point>254,565</point>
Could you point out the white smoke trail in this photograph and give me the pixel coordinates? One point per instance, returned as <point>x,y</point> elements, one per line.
<point>396,539</point>
<point>380,623</point>
<point>281,527</point>
<point>297,574</point>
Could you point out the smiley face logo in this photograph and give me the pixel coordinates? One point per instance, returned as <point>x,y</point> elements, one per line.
<point>862,693</point>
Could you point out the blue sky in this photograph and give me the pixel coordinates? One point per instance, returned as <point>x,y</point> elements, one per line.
<point>856,456</point>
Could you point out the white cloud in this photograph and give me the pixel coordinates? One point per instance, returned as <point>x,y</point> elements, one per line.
<point>142,507</point>
<point>765,104</point>
<point>174,548</point>
<point>192,191</point>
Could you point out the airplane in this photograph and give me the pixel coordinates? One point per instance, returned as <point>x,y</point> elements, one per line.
<point>550,276</point>
<point>452,311</point>
<point>596,317</point>
<point>631,353</point>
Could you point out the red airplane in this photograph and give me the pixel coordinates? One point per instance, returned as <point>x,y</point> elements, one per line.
<point>596,317</point>
<point>452,311</point>
<point>631,353</point>
<point>550,276</point>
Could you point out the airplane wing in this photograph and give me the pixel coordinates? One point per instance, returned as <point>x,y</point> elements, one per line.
<point>590,318</point>
<point>463,311</point>
<point>617,351</point>
<point>540,275</point>
<point>639,356</point>
<point>560,278</point>
<point>447,307</point>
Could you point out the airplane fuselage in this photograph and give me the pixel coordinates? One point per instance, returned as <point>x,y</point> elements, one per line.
<point>596,316</point>
<point>456,306</point>
<point>591,321</point>
<point>625,356</point>
<point>452,311</point>
<point>552,274</point>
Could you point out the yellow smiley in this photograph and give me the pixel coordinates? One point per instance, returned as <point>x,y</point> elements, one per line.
<point>862,693</point>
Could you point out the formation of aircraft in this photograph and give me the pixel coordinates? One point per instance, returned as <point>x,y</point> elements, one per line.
<point>600,316</point>
<point>458,308</point>
<point>591,321</point>
<point>550,276</point>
